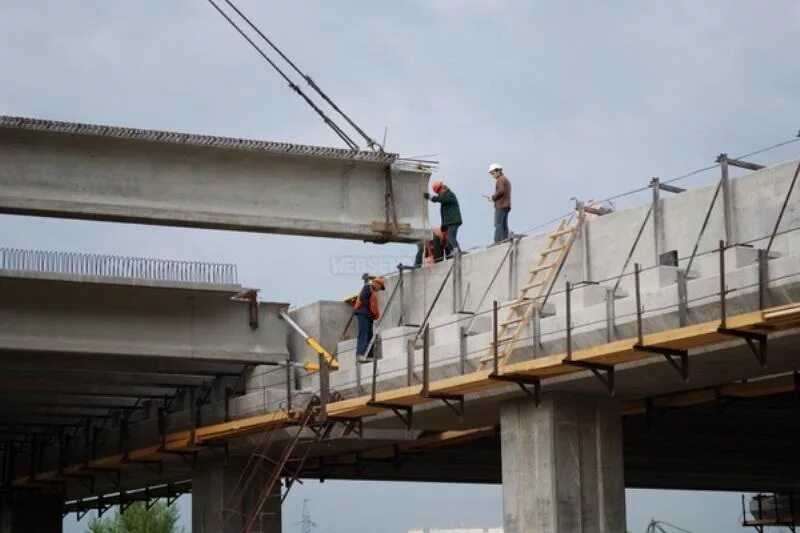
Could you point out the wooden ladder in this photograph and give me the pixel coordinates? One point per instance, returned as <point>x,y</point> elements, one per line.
<point>533,292</point>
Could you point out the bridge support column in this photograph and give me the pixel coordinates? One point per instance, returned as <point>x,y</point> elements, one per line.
<point>23,513</point>
<point>562,465</point>
<point>218,505</point>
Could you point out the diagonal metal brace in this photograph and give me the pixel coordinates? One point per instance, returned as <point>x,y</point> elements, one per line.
<point>523,382</point>
<point>670,355</point>
<point>454,401</point>
<point>403,412</point>
<point>756,341</point>
<point>603,372</point>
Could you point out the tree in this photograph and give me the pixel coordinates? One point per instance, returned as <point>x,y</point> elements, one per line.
<point>160,518</point>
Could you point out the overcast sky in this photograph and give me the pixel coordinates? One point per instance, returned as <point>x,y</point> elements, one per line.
<point>574,98</point>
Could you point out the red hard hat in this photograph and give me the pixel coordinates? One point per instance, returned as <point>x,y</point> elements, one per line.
<point>437,186</point>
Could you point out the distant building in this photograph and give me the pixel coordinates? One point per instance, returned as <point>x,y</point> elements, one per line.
<point>459,530</point>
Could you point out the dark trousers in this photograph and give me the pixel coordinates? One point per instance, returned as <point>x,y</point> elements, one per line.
<point>452,236</point>
<point>364,335</point>
<point>500,224</point>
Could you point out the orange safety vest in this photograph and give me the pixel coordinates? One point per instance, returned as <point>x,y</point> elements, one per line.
<point>373,303</point>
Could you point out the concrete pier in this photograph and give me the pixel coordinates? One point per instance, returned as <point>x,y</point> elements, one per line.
<point>562,465</point>
<point>218,506</point>
<point>25,513</point>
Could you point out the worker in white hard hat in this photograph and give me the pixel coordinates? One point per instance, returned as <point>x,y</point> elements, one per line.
<point>502,202</point>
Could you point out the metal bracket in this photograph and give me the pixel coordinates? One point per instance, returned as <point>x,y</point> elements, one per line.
<point>403,412</point>
<point>351,425</point>
<point>448,399</point>
<point>454,401</point>
<point>603,372</point>
<point>523,382</point>
<point>757,342</point>
<point>670,354</point>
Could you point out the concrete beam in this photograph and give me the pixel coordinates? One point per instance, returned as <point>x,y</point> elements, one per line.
<point>117,323</point>
<point>84,171</point>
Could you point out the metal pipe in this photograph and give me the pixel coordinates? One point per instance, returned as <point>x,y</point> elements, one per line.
<point>640,336</point>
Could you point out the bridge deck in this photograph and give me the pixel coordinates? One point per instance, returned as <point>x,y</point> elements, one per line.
<point>692,337</point>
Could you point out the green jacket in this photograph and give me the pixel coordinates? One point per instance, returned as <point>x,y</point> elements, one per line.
<point>451,213</point>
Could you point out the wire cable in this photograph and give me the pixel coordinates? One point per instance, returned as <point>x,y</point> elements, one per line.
<point>369,140</point>
<point>335,127</point>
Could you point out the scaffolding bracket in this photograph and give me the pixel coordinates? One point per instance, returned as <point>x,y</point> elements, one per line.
<point>603,372</point>
<point>403,412</point>
<point>454,401</point>
<point>523,382</point>
<point>678,359</point>
<point>757,342</point>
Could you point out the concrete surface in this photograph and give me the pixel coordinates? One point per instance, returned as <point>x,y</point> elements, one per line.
<point>101,173</point>
<point>562,465</point>
<point>113,321</point>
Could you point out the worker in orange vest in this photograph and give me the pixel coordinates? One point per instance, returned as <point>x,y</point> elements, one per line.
<point>367,312</point>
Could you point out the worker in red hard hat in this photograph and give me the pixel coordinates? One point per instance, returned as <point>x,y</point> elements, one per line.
<point>367,312</point>
<point>450,211</point>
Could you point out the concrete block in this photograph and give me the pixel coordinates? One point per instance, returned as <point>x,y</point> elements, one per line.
<point>742,256</point>
<point>395,340</point>
<point>446,329</point>
<point>662,276</point>
<point>590,295</point>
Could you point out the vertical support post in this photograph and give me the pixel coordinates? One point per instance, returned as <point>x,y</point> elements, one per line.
<point>611,314</point>
<point>639,334</point>
<point>359,385</point>
<point>537,330</point>
<point>683,299</point>
<point>568,296</point>
<point>462,349</point>
<point>374,371</point>
<point>410,362</point>
<point>727,205</point>
<point>401,321</point>
<point>426,361</point>
<point>763,278</point>
<point>324,387</point>
<point>512,267</point>
<point>458,293</point>
<point>586,260</point>
<point>722,286</point>
<point>658,220</point>
<point>494,337</point>
<point>288,385</point>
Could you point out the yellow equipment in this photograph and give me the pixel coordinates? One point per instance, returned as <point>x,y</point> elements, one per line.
<point>333,364</point>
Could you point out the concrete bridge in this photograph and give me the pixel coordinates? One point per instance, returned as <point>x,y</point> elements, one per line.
<point>671,392</point>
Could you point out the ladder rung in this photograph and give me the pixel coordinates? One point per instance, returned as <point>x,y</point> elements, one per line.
<point>553,249</point>
<point>522,303</point>
<point>564,231</point>
<point>545,266</point>
<point>513,321</point>
<point>529,286</point>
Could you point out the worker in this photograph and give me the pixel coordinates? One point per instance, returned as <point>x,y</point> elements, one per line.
<point>431,250</point>
<point>450,212</point>
<point>366,311</point>
<point>502,202</point>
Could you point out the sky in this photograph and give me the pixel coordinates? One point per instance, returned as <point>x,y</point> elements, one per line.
<point>574,98</point>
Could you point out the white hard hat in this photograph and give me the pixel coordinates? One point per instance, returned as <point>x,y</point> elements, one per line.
<point>495,166</point>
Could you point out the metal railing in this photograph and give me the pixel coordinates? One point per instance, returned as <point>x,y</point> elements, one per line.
<point>112,266</point>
